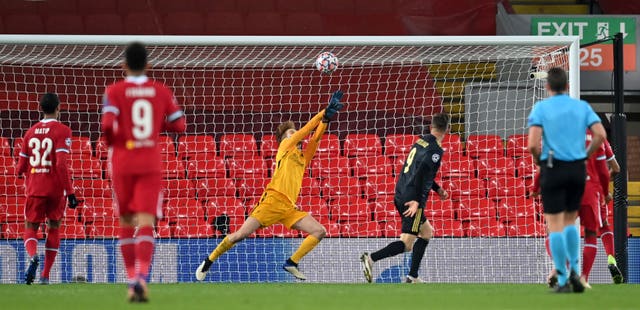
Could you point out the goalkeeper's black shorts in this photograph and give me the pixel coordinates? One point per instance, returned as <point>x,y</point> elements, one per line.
<point>562,185</point>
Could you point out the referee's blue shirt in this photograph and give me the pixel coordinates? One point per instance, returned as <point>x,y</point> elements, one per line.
<point>564,121</point>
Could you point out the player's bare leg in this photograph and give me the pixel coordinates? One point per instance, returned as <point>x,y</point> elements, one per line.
<point>31,244</point>
<point>250,225</point>
<point>316,233</point>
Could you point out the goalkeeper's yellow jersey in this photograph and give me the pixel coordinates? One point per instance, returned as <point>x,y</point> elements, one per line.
<point>291,162</point>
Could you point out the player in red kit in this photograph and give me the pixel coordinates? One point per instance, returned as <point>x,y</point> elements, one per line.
<point>134,113</point>
<point>43,161</point>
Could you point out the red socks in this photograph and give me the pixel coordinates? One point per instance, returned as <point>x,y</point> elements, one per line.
<point>144,250</point>
<point>128,249</point>
<point>589,255</point>
<point>51,246</point>
<point>31,241</point>
<point>607,240</point>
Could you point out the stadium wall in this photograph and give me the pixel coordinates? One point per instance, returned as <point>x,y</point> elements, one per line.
<point>334,260</point>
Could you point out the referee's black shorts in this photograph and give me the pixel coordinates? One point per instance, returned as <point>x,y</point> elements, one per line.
<point>562,185</point>
<point>410,224</point>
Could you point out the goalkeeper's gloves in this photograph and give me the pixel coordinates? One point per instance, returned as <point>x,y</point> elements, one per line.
<point>334,106</point>
<point>73,201</point>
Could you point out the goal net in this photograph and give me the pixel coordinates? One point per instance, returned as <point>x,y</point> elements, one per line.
<point>235,91</point>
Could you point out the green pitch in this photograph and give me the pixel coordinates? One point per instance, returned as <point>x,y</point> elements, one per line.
<point>318,296</point>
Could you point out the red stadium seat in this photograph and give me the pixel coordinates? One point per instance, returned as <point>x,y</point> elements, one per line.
<point>7,166</point>
<point>372,165</point>
<point>249,189</point>
<point>71,230</point>
<point>141,23</point>
<point>208,188</point>
<point>441,209</point>
<point>356,145</point>
<point>11,186</point>
<point>184,208</point>
<point>526,227</point>
<point>349,209</point>
<point>226,214</point>
<point>17,147</point>
<point>206,165</point>
<point>278,231</point>
<point>12,209</point>
<point>390,228</point>
<point>340,187</point>
<point>525,167</point>
<point>330,167</point>
<point>451,144</point>
<point>92,188</point>
<point>107,229</point>
<point>85,168</point>
<point>172,168</point>
<point>398,145</point>
<point>484,146</point>
<point>97,209</point>
<point>102,150</point>
<point>459,188</point>
<point>178,189</point>
<point>384,209</point>
<point>264,23</point>
<point>183,23</point>
<point>379,185</point>
<point>163,230</point>
<point>487,227</point>
<point>247,167</point>
<point>310,187</point>
<point>5,147</point>
<point>517,146</point>
<point>166,145</point>
<point>511,208</point>
<point>190,229</point>
<point>80,147</point>
<point>224,23</point>
<point>500,187</point>
<point>329,146</point>
<point>367,229</point>
<point>189,146</point>
<point>447,228</point>
<point>268,146</point>
<point>15,231</point>
<point>476,208</point>
<point>315,206</point>
<point>238,145</point>
<point>492,167</point>
<point>457,167</point>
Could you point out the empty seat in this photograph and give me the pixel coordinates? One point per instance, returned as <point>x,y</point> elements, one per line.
<point>398,145</point>
<point>90,188</point>
<point>484,146</point>
<point>85,168</point>
<point>224,23</point>
<point>11,186</point>
<point>330,167</point>
<point>5,147</point>
<point>247,167</point>
<point>97,209</point>
<point>447,228</point>
<point>367,229</point>
<point>451,144</point>
<point>333,188</point>
<point>238,145</point>
<point>163,230</point>
<point>166,145</point>
<point>500,187</point>
<point>459,188</point>
<point>315,206</point>
<point>252,188</point>
<point>487,227</point>
<point>14,230</point>
<point>476,208</point>
<point>379,186</point>
<point>310,187</point>
<point>104,23</point>
<point>72,230</point>
<point>268,146</point>
<point>278,231</point>
<point>205,165</point>
<point>225,214</point>
<point>329,146</point>
<point>184,208</point>
<point>349,208</point>
<point>384,209</point>
<point>189,146</point>
<point>216,187</point>
<point>372,165</point>
<point>17,146</point>
<point>178,188</point>
<point>183,23</point>
<point>517,146</point>
<point>102,150</point>
<point>7,166</point>
<point>526,227</point>
<point>511,208</point>
<point>12,209</point>
<point>80,147</point>
<point>107,229</point>
<point>172,168</point>
<point>390,228</point>
<point>491,167</point>
<point>457,167</point>
<point>186,229</point>
<point>356,145</point>
<point>525,167</point>
<point>440,209</point>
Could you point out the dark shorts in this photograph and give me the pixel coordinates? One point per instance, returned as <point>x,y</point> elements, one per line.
<point>410,224</point>
<point>562,186</point>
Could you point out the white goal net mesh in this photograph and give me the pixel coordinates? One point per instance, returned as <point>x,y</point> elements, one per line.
<point>490,230</point>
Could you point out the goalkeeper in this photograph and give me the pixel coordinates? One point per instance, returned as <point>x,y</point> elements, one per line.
<point>277,204</point>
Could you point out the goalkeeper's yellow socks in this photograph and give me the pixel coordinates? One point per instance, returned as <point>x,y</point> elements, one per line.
<point>222,247</point>
<point>306,246</point>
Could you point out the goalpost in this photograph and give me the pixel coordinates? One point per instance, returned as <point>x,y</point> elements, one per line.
<point>236,90</point>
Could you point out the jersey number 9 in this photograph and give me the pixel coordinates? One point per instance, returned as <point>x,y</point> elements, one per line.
<point>412,153</point>
<point>142,118</point>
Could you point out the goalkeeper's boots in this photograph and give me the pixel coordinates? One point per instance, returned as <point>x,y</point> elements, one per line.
<point>202,270</point>
<point>367,266</point>
<point>616,275</point>
<point>576,284</point>
<point>410,279</point>
<point>292,268</point>
<point>30,275</point>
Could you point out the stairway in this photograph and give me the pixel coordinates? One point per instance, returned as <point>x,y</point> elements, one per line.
<point>450,80</point>
<point>554,7</point>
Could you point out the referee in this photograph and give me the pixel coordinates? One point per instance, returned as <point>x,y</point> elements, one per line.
<point>560,123</point>
<point>412,190</point>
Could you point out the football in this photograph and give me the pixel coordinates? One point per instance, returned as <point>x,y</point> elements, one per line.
<point>326,62</point>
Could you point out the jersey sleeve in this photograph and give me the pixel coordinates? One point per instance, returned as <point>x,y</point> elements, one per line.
<point>23,161</point>
<point>427,175</point>
<point>63,141</point>
<point>174,116</point>
<point>534,119</point>
<point>302,133</point>
<point>592,117</point>
<point>608,152</point>
<point>110,112</point>
<point>63,149</point>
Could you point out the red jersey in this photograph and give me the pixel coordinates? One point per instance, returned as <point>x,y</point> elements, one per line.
<point>43,159</point>
<point>597,170</point>
<point>135,111</point>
